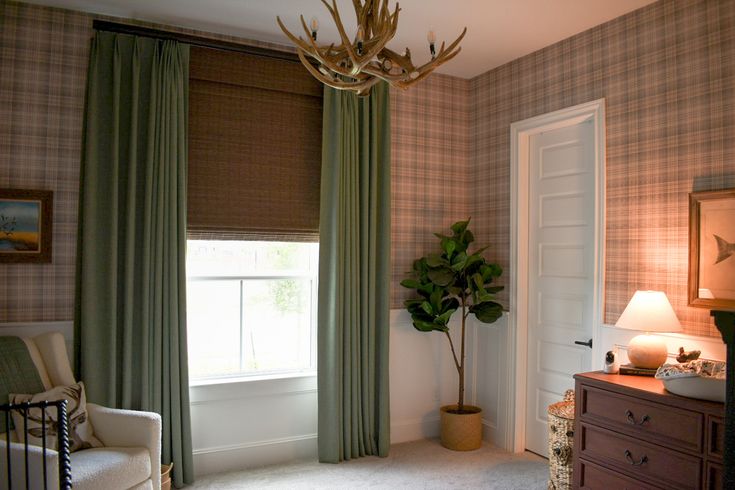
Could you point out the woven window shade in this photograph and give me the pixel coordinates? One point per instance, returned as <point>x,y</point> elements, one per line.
<point>255,131</point>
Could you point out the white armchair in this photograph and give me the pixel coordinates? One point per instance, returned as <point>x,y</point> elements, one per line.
<point>130,458</point>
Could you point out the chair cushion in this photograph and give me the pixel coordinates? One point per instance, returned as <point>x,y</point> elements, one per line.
<point>18,373</point>
<point>110,468</point>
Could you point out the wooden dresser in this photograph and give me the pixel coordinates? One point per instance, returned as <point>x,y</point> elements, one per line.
<point>631,433</point>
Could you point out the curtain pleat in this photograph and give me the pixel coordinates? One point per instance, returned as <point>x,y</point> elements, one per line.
<point>354,268</point>
<point>130,329</point>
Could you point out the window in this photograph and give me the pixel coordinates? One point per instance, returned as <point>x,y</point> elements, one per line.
<point>251,308</point>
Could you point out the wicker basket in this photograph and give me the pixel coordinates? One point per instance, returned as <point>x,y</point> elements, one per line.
<point>561,442</point>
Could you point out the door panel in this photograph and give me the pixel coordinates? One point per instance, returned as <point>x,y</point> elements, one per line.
<point>560,268</point>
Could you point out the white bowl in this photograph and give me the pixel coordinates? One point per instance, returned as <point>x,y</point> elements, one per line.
<point>703,388</point>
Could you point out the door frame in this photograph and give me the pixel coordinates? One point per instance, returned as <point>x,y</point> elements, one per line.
<point>520,136</point>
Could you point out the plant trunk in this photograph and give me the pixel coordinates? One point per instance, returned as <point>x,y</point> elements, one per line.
<point>460,401</point>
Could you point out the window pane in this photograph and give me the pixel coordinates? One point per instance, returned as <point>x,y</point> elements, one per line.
<point>239,258</point>
<point>277,324</point>
<point>251,307</point>
<point>213,317</point>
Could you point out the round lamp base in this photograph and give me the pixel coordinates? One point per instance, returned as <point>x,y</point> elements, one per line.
<point>647,351</point>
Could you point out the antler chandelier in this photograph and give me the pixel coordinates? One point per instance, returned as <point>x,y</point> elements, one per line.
<point>359,63</point>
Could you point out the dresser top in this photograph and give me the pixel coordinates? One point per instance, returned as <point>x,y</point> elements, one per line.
<point>646,387</point>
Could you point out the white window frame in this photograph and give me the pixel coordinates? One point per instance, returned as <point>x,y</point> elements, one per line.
<point>313,276</point>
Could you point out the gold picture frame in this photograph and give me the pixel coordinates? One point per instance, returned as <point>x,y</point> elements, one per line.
<point>712,249</point>
<point>26,223</point>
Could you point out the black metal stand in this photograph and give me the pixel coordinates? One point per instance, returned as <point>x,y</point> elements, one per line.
<point>725,322</point>
<point>62,434</point>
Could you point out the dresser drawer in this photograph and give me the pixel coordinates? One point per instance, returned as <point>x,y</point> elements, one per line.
<point>640,460</point>
<point>639,418</point>
<point>714,475</point>
<point>596,477</point>
<point>716,438</point>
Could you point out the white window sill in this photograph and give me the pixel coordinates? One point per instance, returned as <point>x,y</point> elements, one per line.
<point>226,380</point>
<point>240,388</point>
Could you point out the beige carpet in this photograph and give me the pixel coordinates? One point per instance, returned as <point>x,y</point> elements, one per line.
<point>420,464</point>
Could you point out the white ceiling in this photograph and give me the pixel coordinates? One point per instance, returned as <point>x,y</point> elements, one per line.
<point>498,31</point>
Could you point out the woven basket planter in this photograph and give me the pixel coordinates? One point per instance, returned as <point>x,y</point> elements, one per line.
<point>561,442</point>
<point>461,431</point>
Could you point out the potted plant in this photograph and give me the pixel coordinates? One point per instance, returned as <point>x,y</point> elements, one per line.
<point>455,280</point>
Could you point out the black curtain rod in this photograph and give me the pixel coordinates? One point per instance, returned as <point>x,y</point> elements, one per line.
<point>104,25</point>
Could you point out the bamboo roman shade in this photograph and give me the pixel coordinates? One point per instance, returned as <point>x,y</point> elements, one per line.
<point>255,131</point>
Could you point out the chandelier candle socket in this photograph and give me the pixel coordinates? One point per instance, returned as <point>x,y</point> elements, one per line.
<point>648,311</point>
<point>358,64</point>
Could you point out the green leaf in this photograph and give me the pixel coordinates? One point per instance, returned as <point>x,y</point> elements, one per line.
<point>427,307</point>
<point>410,283</point>
<point>479,283</point>
<point>441,277</point>
<point>424,326</point>
<point>460,262</point>
<point>494,289</point>
<point>460,226</point>
<point>450,304</point>
<point>449,246</point>
<point>487,311</point>
<point>444,317</point>
<point>435,260</point>
<point>436,301</point>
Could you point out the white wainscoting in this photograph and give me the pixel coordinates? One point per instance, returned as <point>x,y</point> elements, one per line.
<point>31,329</point>
<point>490,376</point>
<point>254,423</point>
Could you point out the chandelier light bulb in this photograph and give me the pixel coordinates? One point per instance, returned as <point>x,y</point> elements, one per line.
<point>314,23</point>
<point>360,39</point>
<point>431,37</point>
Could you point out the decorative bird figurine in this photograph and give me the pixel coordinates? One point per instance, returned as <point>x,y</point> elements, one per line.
<point>724,249</point>
<point>683,356</point>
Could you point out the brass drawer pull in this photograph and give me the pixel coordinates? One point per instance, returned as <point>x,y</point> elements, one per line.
<point>631,418</point>
<point>629,457</point>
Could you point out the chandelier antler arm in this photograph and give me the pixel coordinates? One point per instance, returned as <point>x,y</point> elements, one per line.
<point>426,70</point>
<point>374,45</point>
<point>346,42</point>
<point>322,55</point>
<point>361,85</point>
<point>451,47</point>
<point>402,61</point>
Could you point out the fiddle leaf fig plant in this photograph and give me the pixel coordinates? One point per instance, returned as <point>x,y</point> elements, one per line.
<point>454,279</point>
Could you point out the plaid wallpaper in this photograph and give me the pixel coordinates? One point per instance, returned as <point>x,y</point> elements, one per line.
<point>431,187</point>
<point>43,71</point>
<point>667,73</point>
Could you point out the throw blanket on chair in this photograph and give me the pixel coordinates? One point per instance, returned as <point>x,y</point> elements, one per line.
<point>18,373</point>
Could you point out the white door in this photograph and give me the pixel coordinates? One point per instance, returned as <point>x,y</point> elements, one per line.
<point>561,268</point>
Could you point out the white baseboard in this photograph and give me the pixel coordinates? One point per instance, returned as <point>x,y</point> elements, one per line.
<point>254,454</point>
<point>413,430</point>
<point>261,453</point>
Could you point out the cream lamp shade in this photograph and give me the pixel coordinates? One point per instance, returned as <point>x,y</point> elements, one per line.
<point>648,311</point>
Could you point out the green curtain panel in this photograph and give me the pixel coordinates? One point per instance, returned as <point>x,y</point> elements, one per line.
<point>130,329</point>
<point>354,276</point>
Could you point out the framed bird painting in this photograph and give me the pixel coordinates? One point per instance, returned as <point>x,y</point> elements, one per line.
<point>712,249</point>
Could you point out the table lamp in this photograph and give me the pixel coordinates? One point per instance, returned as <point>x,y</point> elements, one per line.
<point>648,311</point>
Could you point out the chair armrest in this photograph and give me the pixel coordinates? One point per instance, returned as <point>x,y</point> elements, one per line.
<point>35,466</point>
<point>129,428</point>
